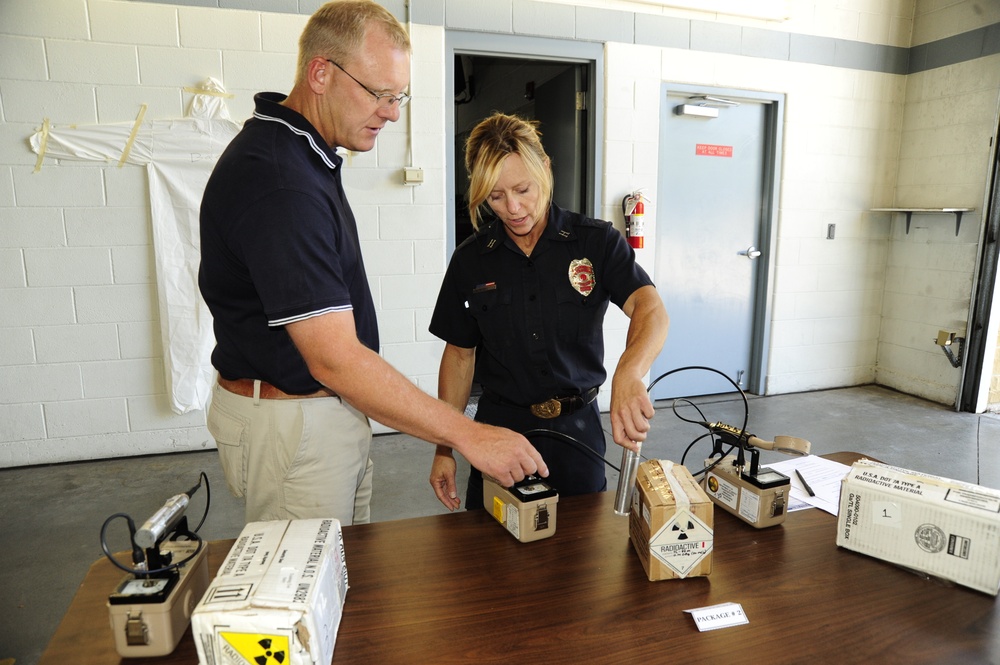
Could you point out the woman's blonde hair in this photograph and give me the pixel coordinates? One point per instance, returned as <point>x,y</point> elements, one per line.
<point>489,143</point>
<point>337,30</point>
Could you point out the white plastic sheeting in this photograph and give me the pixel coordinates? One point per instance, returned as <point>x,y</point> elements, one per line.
<point>179,155</point>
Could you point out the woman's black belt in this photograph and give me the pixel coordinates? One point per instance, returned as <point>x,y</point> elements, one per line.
<point>551,408</point>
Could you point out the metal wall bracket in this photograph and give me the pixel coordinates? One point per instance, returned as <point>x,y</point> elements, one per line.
<point>909,214</point>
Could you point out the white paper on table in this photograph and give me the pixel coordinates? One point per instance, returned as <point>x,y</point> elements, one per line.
<point>824,477</point>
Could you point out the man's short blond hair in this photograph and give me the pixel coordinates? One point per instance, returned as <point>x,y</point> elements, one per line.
<point>489,143</point>
<point>338,28</point>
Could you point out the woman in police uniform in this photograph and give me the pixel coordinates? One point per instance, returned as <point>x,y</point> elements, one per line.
<point>521,310</point>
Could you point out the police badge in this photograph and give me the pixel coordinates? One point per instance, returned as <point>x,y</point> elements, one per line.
<point>581,276</point>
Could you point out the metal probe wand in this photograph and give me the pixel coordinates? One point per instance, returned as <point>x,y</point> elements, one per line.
<point>164,520</point>
<point>626,479</point>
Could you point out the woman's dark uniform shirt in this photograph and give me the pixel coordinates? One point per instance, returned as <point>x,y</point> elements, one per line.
<point>279,244</point>
<point>537,322</point>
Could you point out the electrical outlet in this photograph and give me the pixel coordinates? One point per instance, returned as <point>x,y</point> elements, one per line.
<point>413,175</point>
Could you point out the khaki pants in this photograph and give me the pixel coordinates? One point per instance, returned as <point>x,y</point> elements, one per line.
<point>294,458</point>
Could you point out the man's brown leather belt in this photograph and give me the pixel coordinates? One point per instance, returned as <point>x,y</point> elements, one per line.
<point>244,388</point>
<point>552,408</point>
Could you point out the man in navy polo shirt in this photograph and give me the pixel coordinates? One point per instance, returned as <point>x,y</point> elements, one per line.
<point>282,272</point>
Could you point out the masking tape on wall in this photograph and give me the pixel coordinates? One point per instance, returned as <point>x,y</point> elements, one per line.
<point>131,136</point>
<point>213,93</point>
<point>42,144</point>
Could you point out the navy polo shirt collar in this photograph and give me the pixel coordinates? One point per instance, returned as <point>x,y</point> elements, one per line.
<point>558,228</point>
<point>268,107</point>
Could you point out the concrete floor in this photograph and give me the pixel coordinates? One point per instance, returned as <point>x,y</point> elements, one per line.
<point>52,515</point>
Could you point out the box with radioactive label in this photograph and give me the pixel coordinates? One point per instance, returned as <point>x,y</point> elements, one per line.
<point>277,598</point>
<point>671,522</point>
<point>938,526</point>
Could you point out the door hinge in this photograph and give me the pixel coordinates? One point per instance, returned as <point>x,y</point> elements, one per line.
<point>581,101</point>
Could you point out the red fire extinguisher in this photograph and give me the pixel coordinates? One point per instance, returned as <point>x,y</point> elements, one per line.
<point>634,209</point>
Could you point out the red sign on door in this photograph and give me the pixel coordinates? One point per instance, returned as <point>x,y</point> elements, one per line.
<point>709,150</point>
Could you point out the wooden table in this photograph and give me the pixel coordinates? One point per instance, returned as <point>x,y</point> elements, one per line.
<point>458,588</point>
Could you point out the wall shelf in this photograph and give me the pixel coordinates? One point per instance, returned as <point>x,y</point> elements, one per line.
<point>909,214</point>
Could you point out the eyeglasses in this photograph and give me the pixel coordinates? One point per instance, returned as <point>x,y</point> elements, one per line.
<point>382,99</point>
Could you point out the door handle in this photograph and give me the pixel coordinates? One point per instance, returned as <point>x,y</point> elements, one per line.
<point>750,252</point>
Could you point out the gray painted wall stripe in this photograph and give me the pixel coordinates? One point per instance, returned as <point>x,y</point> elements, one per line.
<point>600,25</point>
<point>970,45</point>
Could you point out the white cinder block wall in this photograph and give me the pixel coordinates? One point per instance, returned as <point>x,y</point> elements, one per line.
<point>81,372</point>
<point>402,227</point>
<point>947,134</point>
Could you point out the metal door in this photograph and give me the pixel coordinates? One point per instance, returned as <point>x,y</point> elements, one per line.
<point>712,213</point>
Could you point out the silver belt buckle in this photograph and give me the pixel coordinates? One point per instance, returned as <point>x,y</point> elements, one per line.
<point>547,409</point>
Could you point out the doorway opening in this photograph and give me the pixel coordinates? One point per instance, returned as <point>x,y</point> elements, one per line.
<point>557,82</point>
<point>554,93</point>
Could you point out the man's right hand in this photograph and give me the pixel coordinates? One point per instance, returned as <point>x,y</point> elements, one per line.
<point>504,455</point>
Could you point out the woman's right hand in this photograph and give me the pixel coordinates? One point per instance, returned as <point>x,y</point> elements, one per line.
<point>442,479</point>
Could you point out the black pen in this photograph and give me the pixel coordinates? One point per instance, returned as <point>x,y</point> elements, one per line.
<point>809,490</point>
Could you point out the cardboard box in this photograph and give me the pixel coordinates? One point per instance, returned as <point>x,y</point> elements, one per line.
<point>671,522</point>
<point>277,598</point>
<point>938,526</point>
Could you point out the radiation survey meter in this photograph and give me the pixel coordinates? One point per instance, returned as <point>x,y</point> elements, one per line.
<point>151,606</point>
<point>757,495</point>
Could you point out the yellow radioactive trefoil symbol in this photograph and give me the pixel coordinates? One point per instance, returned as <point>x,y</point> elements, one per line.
<point>259,649</point>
